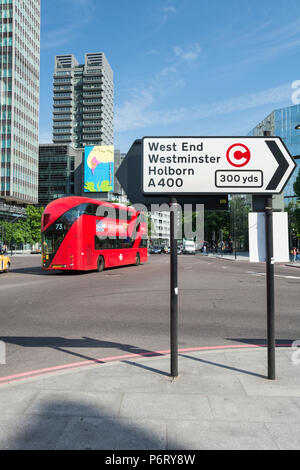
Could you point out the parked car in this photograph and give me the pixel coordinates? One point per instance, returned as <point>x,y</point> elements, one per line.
<point>154,250</point>
<point>4,263</point>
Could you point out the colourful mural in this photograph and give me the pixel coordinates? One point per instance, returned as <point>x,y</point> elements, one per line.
<point>99,169</point>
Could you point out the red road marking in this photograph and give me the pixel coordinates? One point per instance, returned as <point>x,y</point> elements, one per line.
<point>42,372</point>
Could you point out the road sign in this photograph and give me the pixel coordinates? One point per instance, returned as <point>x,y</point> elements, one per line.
<point>129,175</point>
<point>212,165</point>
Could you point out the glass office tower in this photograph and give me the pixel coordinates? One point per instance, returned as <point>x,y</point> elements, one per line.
<point>83,100</point>
<point>19,114</point>
<point>282,123</point>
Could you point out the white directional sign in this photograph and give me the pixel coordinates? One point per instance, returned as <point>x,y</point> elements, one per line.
<point>208,165</point>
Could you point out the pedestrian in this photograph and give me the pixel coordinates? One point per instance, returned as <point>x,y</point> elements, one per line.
<point>298,255</point>
<point>294,254</point>
<point>204,249</point>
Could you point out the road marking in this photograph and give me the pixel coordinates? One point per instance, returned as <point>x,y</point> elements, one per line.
<point>276,275</point>
<point>21,284</point>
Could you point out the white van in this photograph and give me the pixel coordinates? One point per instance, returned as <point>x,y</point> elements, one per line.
<point>189,247</point>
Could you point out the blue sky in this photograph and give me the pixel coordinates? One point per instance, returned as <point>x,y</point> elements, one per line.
<point>181,67</point>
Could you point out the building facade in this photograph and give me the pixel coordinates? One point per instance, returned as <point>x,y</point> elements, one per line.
<point>160,228</point>
<point>282,123</point>
<point>19,114</point>
<point>58,168</point>
<point>83,100</point>
<point>61,174</point>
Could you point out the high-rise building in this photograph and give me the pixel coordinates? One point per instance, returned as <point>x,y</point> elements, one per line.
<point>283,123</point>
<point>19,113</point>
<point>83,99</point>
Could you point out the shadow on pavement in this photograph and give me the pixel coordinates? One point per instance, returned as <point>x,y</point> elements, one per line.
<point>143,366</point>
<point>62,344</point>
<point>38,271</point>
<point>223,366</point>
<point>73,424</point>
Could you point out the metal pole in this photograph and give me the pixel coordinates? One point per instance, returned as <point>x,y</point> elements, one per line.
<point>174,291</point>
<point>270,287</point>
<point>234,239</point>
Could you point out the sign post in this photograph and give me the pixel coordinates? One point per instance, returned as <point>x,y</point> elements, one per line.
<point>270,288</point>
<point>174,289</point>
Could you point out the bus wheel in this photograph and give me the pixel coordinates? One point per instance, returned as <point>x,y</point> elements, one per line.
<point>100,264</point>
<point>137,259</point>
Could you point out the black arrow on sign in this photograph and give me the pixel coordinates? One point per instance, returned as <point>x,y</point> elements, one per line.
<point>282,165</point>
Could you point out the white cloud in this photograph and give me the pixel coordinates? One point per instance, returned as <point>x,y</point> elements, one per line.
<point>82,13</point>
<point>169,9</point>
<point>192,53</point>
<point>138,114</point>
<point>58,37</point>
<point>152,52</point>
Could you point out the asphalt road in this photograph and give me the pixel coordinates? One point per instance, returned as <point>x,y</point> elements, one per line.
<point>49,319</point>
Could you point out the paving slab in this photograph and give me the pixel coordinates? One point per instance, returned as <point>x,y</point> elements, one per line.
<point>249,409</point>
<point>31,432</point>
<point>165,405</point>
<point>286,436</point>
<point>220,435</point>
<point>113,434</point>
<point>67,403</point>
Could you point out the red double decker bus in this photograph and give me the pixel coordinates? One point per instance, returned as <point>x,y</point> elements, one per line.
<point>83,234</point>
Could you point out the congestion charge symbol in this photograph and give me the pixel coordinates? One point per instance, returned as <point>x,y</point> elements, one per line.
<point>238,155</point>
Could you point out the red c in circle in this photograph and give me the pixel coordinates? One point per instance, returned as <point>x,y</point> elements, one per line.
<point>234,156</point>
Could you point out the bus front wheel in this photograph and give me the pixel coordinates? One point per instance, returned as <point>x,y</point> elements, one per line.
<point>137,260</point>
<point>100,264</point>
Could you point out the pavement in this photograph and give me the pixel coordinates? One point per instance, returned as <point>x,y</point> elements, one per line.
<point>244,256</point>
<point>221,399</point>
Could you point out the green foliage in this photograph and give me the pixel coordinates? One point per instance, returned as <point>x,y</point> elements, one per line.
<point>24,230</point>
<point>239,210</point>
<point>33,223</point>
<point>293,210</point>
<point>297,220</point>
<point>297,186</point>
<point>215,221</point>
